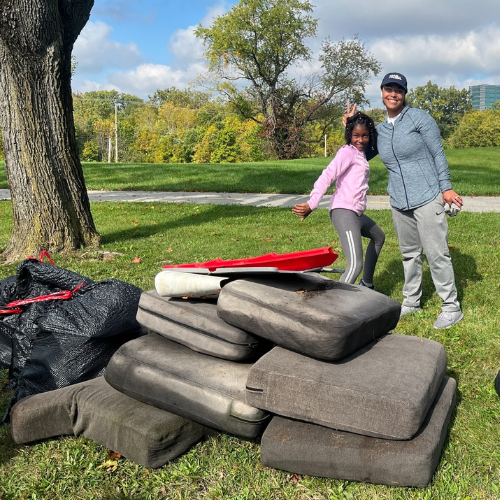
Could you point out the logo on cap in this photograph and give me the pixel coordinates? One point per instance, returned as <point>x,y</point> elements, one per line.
<point>395,76</point>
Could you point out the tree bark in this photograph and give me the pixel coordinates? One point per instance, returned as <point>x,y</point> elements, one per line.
<point>50,205</point>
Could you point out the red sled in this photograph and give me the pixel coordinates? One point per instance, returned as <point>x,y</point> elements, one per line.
<point>296,261</point>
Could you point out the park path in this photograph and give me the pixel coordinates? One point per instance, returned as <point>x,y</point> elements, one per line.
<point>471,203</point>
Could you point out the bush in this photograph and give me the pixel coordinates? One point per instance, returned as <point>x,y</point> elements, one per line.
<point>477,129</point>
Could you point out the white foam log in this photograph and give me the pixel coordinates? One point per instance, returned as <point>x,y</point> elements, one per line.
<point>175,284</point>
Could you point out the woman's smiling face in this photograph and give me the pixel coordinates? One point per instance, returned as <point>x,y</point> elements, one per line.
<point>393,97</point>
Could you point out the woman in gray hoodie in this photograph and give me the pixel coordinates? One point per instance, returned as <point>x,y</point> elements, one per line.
<point>409,145</point>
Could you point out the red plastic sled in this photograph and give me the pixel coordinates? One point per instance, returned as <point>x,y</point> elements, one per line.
<point>295,261</point>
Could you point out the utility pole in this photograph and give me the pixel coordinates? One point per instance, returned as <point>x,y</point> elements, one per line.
<point>325,147</point>
<point>109,149</point>
<point>116,132</point>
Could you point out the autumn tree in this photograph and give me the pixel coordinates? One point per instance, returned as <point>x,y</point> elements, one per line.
<point>478,129</point>
<point>446,105</point>
<point>50,206</point>
<point>185,98</point>
<point>95,114</point>
<point>253,51</point>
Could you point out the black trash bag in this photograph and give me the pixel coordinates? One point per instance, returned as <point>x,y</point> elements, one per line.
<point>33,279</point>
<point>58,343</point>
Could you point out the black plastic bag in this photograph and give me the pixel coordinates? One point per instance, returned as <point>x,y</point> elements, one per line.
<point>56,343</point>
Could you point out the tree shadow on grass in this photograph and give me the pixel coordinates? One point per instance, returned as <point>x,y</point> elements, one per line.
<point>465,269</point>
<point>215,212</point>
<point>8,449</point>
<point>464,266</point>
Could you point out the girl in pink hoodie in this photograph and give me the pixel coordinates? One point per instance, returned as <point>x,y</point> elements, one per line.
<point>351,172</point>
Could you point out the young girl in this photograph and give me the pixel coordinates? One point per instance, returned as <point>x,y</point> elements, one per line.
<point>351,172</point>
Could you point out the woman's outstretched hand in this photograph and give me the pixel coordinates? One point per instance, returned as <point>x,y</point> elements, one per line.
<point>350,112</point>
<point>302,210</point>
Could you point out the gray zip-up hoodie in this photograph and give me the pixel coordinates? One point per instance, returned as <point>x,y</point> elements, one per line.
<point>413,154</point>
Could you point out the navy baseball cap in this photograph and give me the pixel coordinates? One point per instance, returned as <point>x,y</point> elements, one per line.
<point>395,78</point>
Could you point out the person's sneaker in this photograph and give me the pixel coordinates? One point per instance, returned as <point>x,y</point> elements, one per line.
<point>362,283</point>
<point>448,319</point>
<point>409,310</point>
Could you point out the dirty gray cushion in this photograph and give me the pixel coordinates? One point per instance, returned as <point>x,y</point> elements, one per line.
<point>142,433</point>
<point>308,313</point>
<point>171,376</point>
<point>195,324</point>
<point>383,390</point>
<point>305,448</point>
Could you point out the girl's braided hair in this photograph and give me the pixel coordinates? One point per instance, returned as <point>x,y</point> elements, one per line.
<point>361,119</point>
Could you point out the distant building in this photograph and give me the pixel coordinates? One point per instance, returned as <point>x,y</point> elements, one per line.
<point>483,96</point>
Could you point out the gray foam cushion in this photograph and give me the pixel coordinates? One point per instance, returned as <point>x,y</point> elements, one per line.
<point>144,434</point>
<point>173,377</point>
<point>305,448</point>
<point>383,390</point>
<point>195,324</point>
<point>308,313</point>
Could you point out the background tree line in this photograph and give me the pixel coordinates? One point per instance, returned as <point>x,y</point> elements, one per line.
<point>191,126</point>
<point>178,126</point>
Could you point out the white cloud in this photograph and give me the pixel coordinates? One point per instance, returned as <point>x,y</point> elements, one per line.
<point>404,17</point>
<point>473,52</point>
<point>459,60</point>
<point>144,80</point>
<point>450,42</point>
<point>185,46</point>
<point>95,50</point>
<point>82,86</point>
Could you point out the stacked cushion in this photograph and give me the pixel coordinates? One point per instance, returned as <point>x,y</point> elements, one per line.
<point>309,314</point>
<point>306,448</point>
<point>383,390</point>
<point>195,324</point>
<point>168,375</point>
<point>142,433</point>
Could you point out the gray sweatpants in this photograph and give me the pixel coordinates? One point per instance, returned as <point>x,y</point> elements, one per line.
<point>426,229</point>
<point>351,227</point>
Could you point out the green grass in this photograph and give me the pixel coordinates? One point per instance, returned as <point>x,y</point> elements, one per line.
<point>474,172</point>
<point>226,467</point>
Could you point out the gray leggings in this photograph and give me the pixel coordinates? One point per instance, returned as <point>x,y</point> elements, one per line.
<point>350,228</point>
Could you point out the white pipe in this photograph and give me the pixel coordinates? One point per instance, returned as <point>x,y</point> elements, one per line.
<point>175,284</point>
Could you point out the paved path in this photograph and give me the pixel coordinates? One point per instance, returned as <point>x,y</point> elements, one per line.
<point>471,203</point>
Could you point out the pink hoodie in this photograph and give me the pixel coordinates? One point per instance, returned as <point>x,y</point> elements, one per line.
<point>351,172</point>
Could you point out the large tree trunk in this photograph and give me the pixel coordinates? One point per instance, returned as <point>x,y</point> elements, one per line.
<point>50,205</point>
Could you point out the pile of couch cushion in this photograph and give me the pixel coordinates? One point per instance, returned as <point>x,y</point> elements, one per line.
<point>302,362</point>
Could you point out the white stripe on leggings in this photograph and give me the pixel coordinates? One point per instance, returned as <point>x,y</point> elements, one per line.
<point>353,256</point>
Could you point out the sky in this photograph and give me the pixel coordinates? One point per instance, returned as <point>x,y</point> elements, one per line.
<point>139,46</point>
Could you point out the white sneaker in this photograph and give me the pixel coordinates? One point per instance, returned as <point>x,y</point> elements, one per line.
<point>448,319</point>
<point>409,310</point>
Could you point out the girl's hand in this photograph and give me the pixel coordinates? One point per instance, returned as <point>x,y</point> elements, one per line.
<point>302,210</point>
<point>450,197</point>
<point>350,112</point>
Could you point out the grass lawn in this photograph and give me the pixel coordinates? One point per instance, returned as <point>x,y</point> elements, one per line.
<point>474,172</point>
<point>227,467</point>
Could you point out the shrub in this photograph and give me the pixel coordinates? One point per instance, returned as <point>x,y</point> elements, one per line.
<point>477,129</point>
